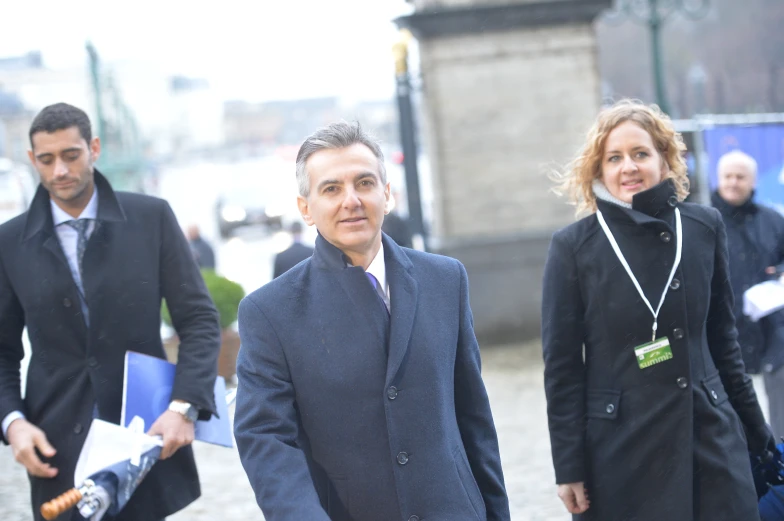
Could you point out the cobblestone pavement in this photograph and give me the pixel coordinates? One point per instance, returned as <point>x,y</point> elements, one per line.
<point>513,375</point>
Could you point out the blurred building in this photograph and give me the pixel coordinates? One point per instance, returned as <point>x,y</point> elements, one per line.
<point>259,127</point>
<point>172,114</point>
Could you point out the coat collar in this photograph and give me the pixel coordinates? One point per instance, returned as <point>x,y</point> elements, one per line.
<point>728,210</point>
<point>653,205</point>
<point>403,289</point>
<point>39,216</point>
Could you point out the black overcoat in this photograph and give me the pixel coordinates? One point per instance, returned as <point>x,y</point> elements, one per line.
<point>136,255</point>
<point>668,441</point>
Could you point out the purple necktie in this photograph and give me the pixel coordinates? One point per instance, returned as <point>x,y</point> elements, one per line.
<point>379,291</point>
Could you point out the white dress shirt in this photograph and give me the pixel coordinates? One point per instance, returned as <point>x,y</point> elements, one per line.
<point>378,269</point>
<point>69,238</point>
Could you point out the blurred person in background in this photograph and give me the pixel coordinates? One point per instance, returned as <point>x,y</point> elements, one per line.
<point>398,227</point>
<point>755,242</point>
<point>292,255</point>
<point>85,269</point>
<point>203,253</point>
<point>360,394</point>
<point>651,413</point>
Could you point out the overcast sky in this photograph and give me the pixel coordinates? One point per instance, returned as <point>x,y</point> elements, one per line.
<point>248,49</point>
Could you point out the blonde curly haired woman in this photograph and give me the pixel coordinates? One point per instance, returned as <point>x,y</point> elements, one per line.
<point>650,411</point>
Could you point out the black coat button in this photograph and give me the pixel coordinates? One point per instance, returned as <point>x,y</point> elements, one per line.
<point>78,428</point>
<point>672,201</point>
<point>413,518</point>
<point>67,302</point>
<point>610,408</point>
<point>677,333</point>
<point>402,458</point>
<point>714,395</point>
<point>392,393</point>
<point>675,284</point>
<point>682,382</point>
<point>665,236</point>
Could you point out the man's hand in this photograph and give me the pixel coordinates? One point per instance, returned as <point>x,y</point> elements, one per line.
<point>176,431</point>
<point>574,497</point>
<point>25,438</point>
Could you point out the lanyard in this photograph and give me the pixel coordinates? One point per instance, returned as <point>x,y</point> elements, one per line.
<point>678,250</point>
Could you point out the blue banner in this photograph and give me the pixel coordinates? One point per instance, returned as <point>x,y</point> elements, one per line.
<point>763,142</point>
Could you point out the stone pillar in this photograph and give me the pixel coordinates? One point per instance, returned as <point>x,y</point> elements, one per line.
<point>510,88</point>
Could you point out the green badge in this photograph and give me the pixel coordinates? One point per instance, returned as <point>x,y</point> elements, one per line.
<point>653,353</point>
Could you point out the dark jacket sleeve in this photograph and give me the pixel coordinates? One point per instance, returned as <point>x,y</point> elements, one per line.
<point>12,322</point>
<point>474,418</point>
<point>266,426</point>
<point>194,318</point>
<point>563,335</point>
<point>724,348</point>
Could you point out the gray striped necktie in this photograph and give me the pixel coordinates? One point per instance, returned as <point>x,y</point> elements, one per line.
<point>80,225</point>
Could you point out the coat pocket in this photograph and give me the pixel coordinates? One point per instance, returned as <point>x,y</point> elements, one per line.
<point>715,389</point>
<point>470,487</point>
<point>338,498</point>
<point>602,404</point>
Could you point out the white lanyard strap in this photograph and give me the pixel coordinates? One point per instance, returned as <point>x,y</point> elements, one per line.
<point>678,251</point>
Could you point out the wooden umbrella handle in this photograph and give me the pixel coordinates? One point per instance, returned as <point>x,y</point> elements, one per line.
<point>65,501</point>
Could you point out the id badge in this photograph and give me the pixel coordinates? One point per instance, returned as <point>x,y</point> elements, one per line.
<point>653,353</point>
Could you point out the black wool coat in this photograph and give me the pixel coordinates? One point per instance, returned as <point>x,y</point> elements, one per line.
<point>136,255</point>
<point>668,441</point>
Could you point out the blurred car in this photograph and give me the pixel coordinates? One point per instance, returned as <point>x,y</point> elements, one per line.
<point>260,193</point>
<point>17,188</point>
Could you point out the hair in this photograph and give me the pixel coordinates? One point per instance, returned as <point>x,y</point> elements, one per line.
<point>577,178</point>
<point>335,136</point>
<point>737,156</point>
<point>61,116</point>
<point>295,228</point>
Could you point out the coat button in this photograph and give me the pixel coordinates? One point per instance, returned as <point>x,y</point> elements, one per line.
<point>682,382</point>
<point>78,428</point>
<point>92,362</point>
<point>392,393</point>
<point>672,201</point>
<point>714,395</point>
<point>610,408</point>
<point>413,518</point>
<point>675,284</point>
<point>402,458</point>
<point>67,302</point>
<point>665,236</point>
<point>677,333</point>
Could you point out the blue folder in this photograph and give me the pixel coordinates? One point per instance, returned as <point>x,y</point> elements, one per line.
<point>147,392</point>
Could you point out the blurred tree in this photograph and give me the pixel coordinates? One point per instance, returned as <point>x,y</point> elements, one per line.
<point>728,62</point>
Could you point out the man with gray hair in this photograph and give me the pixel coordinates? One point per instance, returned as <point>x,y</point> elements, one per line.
<point>755,241</point>
<point>360,395</point>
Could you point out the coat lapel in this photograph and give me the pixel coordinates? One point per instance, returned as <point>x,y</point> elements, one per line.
<point>404,292</point>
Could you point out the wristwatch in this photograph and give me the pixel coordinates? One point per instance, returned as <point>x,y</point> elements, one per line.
<point>186,409</point>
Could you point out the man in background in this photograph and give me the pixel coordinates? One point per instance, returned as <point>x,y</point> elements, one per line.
<point>755,241</point>
<point>292,255</point>
<point>203,253</point>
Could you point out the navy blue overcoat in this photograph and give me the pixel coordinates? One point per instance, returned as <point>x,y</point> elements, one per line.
<point>344,416</point>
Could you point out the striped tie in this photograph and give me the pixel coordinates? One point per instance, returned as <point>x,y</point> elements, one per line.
<point>80,225</point>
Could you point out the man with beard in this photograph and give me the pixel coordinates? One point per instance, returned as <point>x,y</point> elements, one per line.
<point>85,269</point>
<point>755,241</point>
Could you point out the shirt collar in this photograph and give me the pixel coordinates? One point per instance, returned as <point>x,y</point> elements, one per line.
<point>378,268</point>
<point>59,216</point>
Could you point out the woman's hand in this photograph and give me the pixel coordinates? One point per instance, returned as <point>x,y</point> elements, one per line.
<point>574,497</point>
